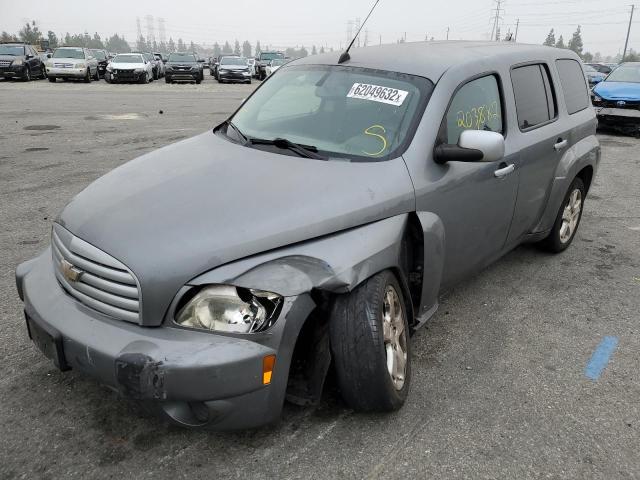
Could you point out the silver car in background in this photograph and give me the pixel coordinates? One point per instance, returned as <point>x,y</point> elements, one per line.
<point>129,67</point>
<point>72,62</point>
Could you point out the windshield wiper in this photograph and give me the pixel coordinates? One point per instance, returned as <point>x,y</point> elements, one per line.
<point>308,151</point>
<point>229,123</point>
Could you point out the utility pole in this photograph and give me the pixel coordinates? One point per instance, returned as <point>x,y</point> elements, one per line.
<point>515,37</point>
<point>495,31</point>
<point>448,29</point>
<point>626,42</point>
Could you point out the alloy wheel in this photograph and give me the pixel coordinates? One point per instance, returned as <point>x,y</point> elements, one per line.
<point>571,216</point>
<point>395,337</point>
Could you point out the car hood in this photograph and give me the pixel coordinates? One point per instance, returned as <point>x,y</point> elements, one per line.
<point>618,90</point>
<point>185,209</point>
<point>234,67</point>
<point>11,57</point>
<point>181,64</point>
<point>128,66</point>
<point>68,60</point>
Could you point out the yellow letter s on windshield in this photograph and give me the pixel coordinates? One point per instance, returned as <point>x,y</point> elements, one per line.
<point>368,131</point>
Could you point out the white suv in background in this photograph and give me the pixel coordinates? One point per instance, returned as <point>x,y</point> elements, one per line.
<point>72,62</point>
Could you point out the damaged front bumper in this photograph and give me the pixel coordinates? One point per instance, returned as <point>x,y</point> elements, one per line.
<point>196,378</point>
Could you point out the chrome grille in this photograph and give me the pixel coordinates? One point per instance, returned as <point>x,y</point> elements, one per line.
<point>102,282</point>
<point>5,63</point>
<point>63,65</point>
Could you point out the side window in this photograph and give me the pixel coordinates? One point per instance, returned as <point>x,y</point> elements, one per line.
<point>535,100</point>
<point>475,106</point>
<point>574,86</point>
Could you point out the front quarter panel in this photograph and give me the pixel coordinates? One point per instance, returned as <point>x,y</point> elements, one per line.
<point>337,263</point>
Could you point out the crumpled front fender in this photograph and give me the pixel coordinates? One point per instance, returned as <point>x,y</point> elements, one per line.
<point>337,263</point>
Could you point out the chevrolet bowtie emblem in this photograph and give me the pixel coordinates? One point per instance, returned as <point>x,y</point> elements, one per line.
<point>70,272</point>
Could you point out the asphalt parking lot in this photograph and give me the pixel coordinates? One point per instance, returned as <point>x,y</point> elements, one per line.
<point>499,387</point>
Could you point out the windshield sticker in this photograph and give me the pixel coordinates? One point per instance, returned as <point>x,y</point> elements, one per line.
<point>370,131</point>
<point>376,93</point>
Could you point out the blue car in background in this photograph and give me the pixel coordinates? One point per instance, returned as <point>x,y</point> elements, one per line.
<point>617,98</point>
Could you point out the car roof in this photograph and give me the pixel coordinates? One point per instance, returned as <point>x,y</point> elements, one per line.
<point>432,59</point>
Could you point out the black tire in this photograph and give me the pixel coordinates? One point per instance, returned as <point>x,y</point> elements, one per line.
<point>154,73</point>
<point>97,76</point>
<point>52,79</point>
<point>167,79</point>
<point>87,77</point>
<point>144,78</point>
<point>359,349</point>
<point>43,71</point>
<point>107,77</point>
<point>198,81</point>
<point>27,75</point>
<point>554,242</point>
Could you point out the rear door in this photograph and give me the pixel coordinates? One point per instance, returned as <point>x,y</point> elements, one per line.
<point>542,142</point>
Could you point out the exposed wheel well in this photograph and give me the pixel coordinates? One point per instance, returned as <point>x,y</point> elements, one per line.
<point>586,175</point>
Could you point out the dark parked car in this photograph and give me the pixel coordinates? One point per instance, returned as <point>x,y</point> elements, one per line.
<point>263,60</point>
<point>234,69</point>
<point>315,228</point>
<point>20,61</point>
<point>183,67</point>
<point>601,67</point>
<point>103,60</point>
<point>214,65</point>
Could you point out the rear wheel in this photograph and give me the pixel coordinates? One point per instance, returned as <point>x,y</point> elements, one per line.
<point>568,219</point>
<point>370,345</point>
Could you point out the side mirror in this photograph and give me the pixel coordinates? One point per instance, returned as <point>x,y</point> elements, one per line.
<point>28,56</point>
<point>473,146</point>
<point>164,60</point>
<point>48,55</point>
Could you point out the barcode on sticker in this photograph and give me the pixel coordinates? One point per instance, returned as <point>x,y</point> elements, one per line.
<point>376,93</point>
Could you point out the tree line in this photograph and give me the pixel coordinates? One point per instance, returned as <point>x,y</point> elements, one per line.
<point>575,44</point>
<point>31,34</point>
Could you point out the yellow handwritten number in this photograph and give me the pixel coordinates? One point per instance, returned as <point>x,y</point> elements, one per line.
<point>369,131</point>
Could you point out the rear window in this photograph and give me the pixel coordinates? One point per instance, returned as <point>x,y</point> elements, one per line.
<point>535,102</point>
<point>574,86</point>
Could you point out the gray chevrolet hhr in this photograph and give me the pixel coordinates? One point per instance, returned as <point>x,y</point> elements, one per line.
<point>314,229</point>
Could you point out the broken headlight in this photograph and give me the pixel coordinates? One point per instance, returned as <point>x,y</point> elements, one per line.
<point>224,308</point>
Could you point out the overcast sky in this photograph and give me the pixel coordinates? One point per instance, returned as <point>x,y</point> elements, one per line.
<point>290,23</point>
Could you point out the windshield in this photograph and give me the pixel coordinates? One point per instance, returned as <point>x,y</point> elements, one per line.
<point>68,53</point>
<point>348,112</point>
<point>127,59</point>
<point>270,56</point>
<point>625,73</point>
<point>278,62</point>
<point>233,61</point>
<point>14,50</point>
<point>99,54</point>
<point>181,57</point>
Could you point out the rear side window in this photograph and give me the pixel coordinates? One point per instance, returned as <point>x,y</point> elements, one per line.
<point>475,106</point>
<point>574,86</point>
<point>535,101</point>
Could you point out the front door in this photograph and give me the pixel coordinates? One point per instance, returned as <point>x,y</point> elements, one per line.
<point>475,201</point>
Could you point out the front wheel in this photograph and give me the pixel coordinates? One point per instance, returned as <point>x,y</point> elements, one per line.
<point>568,219</point>
<point>52,79</point>
<point>87,77</point>
<point>96,77</point>
<point>369,332</point>
<point>27,75</point>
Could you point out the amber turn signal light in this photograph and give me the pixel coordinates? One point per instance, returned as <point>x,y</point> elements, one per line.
<point>268,363</point>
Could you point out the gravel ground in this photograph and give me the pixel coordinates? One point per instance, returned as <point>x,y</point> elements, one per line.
<point>499,387</point>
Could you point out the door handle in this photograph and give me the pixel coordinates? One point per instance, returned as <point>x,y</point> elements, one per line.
<point>561,145</point>
<point>503,172</point>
